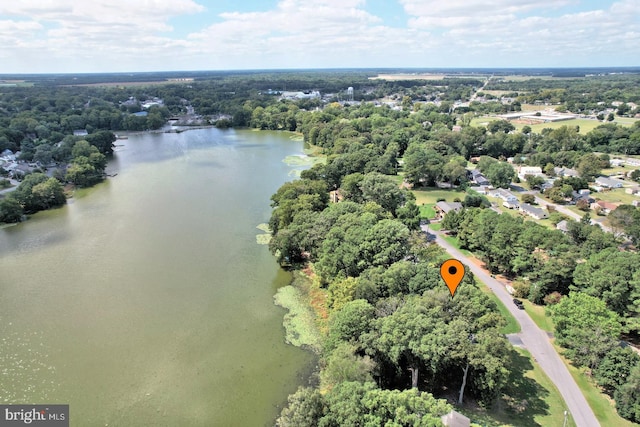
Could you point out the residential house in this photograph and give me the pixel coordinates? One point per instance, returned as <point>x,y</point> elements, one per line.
<point>563,226</point>
<point>511,204</point>
<point>80,132</point>
<point>606,182</point>
<point>478,178</point>
<point>534,212</point>
<point>529,170</point>
<point>480,189</point>
<point>604,207</point>
<point>503,194</point>
<point>562,172</point>
<point>442,208</point>
<point>633,162</point>
<point>616,162</point>
<point>632,190</point>
<point>581,195</point>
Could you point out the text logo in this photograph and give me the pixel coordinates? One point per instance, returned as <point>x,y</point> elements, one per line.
<point>34,415</point>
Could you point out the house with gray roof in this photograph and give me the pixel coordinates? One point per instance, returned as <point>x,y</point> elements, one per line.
<point>503,194</point>
<point>442,208</point>
<point>606,182</point>
<point>533,212</point>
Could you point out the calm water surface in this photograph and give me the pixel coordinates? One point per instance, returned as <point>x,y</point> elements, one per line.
<point>146,300</point>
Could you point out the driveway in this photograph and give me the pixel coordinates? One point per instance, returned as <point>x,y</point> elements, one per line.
<point>534,340</point>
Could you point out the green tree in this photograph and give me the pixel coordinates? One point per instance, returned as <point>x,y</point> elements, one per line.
<point>347,324</point>
<point>585,327</point>
<point>627,396</point>
<point>589,167</point>
<point>500,126</point>
<point>608,275</point>
<point>343,364</point>
<point>304,408</point>
<point>354,404</point>
<point>382,190</point>
<point>38,192</point>
<point>528,198</point>
<point>422,165</point>
<point>534,181</point>
<point>350,188</point>
<point>10,210</point>
<point>500,174</point>
<point>615,368</point>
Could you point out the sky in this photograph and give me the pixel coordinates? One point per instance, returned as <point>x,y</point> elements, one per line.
<point>77,36</point>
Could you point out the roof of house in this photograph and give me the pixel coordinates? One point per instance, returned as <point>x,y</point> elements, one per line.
<point>562,225</point>
<point>448,206</point>
<point>565,172</point>
<point>610,182</point>
<point>607,205</point>
<point>503,194</point>
<point>532,210</point>
<point>530,169</point>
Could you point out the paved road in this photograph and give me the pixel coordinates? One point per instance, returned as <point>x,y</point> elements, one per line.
<point>562,209</point>
<point>536,342</point>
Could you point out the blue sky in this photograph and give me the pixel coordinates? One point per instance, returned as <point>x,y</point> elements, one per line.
<point>39,36</point>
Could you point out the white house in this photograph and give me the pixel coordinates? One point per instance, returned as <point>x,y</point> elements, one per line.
<point>529,170</point>
<point>503,194</point>
<point>511,204</point>
<point>562,172</point>
<point>534,212</point>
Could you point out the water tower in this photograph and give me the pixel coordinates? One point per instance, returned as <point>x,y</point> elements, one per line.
<point>350,93</point>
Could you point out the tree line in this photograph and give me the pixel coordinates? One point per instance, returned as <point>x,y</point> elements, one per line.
<point>591,288</point>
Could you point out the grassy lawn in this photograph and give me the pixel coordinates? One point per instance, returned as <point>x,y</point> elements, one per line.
<point>538,315</point>
<point>512,325</point>
<point>429,196</point>
<point>586,125</point>
<point>435,226</point>
<point>602,406</point>
<point>456,244</point>
<point>617,196</point>
<point>530,399</point>
<point>427,211</point>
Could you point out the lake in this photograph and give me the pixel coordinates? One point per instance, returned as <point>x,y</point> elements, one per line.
<point>147,300</point>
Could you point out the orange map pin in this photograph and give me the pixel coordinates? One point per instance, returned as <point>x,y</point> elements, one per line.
<point>452,272</point>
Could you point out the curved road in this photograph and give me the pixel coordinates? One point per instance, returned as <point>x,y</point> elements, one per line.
<point>536,342</point>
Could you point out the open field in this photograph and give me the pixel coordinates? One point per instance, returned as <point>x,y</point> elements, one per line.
<point>425,76</point>
<point>539,402</point>
<point>522,78</point>
<point>131,84</point>
<point>586,125</point>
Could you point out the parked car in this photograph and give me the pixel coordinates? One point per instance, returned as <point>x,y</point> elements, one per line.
<point>518,303</point>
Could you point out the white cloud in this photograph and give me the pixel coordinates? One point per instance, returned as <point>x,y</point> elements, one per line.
<point>124,35</point>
